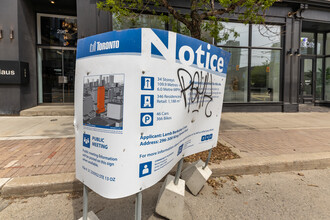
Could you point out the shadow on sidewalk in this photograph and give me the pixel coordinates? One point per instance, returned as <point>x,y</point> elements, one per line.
<point>117,209</point>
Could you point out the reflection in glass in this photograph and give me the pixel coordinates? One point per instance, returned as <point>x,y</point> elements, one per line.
<point>266,36</point>
<point>58,72</point>
<point>319,78</point>
<point>327,79</point>
<point>327,52</point>
<point>69,59</point>
<point>205,35</point>
<point>308,77</point>
<point>307,44</point>
<point>237,80</point>
<point>241,39</point>
<point>143,21</point>
<point>179,27</point>
<point>265,75</point>
<point>58,31</point>
<point>51,73</point>
<point>320,44</point>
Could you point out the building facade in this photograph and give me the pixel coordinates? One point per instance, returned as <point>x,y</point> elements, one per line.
<point>273,68</point>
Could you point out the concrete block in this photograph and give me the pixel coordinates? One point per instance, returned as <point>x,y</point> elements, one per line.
<point>170,202</point>
<point>90,216</point>
<point>195,176</point>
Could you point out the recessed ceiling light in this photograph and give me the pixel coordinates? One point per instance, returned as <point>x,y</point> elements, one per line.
<point>52,2</point>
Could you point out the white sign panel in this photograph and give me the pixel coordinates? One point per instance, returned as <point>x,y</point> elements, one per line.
<point>144,99</point>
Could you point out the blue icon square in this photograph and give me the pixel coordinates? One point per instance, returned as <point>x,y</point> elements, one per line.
<point>147,101</point>
<point>147,119</point>
<point>145,169</point>
<point>147,83</point>
<point>87,140</point>
<point>180,149</point>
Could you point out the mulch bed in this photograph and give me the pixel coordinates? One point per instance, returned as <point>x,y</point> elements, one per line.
<point>219,153</point>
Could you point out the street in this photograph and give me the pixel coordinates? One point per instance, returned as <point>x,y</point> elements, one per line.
<point>287,195</point>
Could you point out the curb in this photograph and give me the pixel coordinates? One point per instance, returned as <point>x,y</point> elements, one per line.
<point>280,163</point>
<point>41,185</point>
<point>66,182</point>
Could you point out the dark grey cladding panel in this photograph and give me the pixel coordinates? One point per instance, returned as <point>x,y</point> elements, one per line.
<point>91,20</point>
<point>319,15</point>
<point>8,23</point>
<point>86,18</point>
<point>287,74</point>
<point>104,21</point>
<point>27,52</point>
<point>295,62</point>
<point>10,99</point>
<point>19,16</point>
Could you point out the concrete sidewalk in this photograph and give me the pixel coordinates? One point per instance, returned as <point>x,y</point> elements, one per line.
<point>271,134</point>
<point>32,147</point>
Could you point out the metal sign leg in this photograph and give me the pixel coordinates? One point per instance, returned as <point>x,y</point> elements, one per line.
<point>85,202</point>
<point>138,206</point>
<point>208,158</point>
<point>178,172</point>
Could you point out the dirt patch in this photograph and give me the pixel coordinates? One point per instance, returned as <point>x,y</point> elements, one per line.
<point>219,153</point>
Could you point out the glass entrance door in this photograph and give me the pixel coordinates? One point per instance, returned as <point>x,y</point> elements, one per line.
<point>307,84</point>
<point>56,43</point>
<point>58,71</point>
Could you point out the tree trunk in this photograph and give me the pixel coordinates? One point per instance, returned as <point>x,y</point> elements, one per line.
<point>195,27</point>
<point>196,31</point>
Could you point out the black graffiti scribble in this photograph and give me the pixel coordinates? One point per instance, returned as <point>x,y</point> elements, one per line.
<point>197,86</point>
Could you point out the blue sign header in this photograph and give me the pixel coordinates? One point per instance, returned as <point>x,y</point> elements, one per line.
<point>159,44</point>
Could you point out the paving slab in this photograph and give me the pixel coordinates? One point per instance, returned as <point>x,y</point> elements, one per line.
<point>49,110</point>
<point>271,134</point>
<point>13,128</point>
<point>36,157</point>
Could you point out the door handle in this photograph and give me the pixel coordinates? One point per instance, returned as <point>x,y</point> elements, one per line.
<point>301,87</point>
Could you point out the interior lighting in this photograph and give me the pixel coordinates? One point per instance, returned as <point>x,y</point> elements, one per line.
<point>11,35</point>
<point>52,1</point>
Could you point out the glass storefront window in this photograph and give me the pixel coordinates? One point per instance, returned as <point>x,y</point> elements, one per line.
<point>265,75</point>
<point>266,36</point>
<point>319,78</point>
<point>242,38</point>
<point>307,44</point>
<point>327,79</point>
<point>320,44</point>
<point>58,31</point>
<point>143,21</point>
<point>236,89</point>
<point>327,51</point>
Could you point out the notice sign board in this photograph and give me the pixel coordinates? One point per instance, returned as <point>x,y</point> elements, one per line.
<point>144,99</point>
